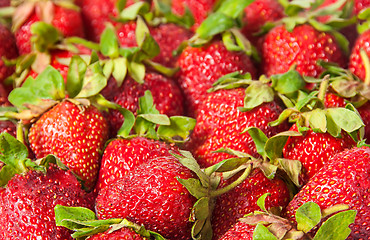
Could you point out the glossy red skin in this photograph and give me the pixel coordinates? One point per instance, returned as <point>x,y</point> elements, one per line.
<point>76,137</point>
<point>167,97</point>
<point>257,14</point>
<point>121,234</point>
<point>4,96</point>
<point>345,179</point>
<point>314,149</point>
<point>8,50</point>
<point>27,204</point>
<point>220,123</point>
<point>239,231</point>
<point>67,21</point>
<point>123,155</point>
<point>151,195</point>
<point>303,47</point>
<point>201,67</point>
<point>355,61</point>
<point>200,9</point>
<point>360,5</point>
<point>243,200</point>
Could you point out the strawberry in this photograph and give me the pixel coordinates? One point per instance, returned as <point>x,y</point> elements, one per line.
<point>27,201</point>
<point>343,180</point>
<point>78,148</point>
<point>4,96</point>
<point>137,194</point>
<point>8,50</point>
<point>356,62</point>
<point>66,19</point>
<point>201,67</point>
<point>242,199</point>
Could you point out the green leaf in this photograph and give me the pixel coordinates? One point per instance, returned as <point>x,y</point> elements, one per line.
<point>76,73</point>
<point>342,41</point>
<point>256,94</point>
<point>193,185</point>
<point>109,42</point>
<point>345,119</point>
<point>288,82</point>
<point>336,227</point>
<point>274,145</point>
<point>308,216</point>
<point>44,36</point>
<point>179,128</point>
<point>186,20</point>
<point>215,23</point>
<point>141,31</point>
<point>332,128</point>
<point>259,139</point>
<point>292,168</point>
<point>119,70</point>
<point>7,172</point>
<point>48,85</point>
<point>160,119</point>
<point>128,123</point>
<point>261,201</point>
<point>317,120</point>
<point>108,68</point>
<point>133,11</point>
<point>233,8</point>
<point>64,214</point>
<point>137,71</point>
<point>149,48</point>
<point>93,82</point>
<point>262,233</point>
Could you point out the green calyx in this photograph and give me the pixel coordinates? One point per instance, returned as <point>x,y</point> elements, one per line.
<point>364,24</point>
<point>151,124</point>
<point>84,223</point>
<point>308,216</point>
<point>285,86</point>
<point>14,154</point>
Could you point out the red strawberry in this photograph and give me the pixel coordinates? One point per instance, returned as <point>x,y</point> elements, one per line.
<point>151,195</point>
<point>344,180</point>
<point>304,46</point>
<point>356,64</point>
<point>314,149</point>
<point>4,96</point>
<point>201,67</point>
<point>123,155</point>
<point>8,127</point>
<point>243,200</point>
<point>259,13</point>
<point>220,123</point>
<point>167,96</point>
<point>200,9</point>
<point>123,233</point>
<point>76,134</point>
<point>361,5</point>
<point>240,231</point>
<point>8,50</point>
<point>67,20</point>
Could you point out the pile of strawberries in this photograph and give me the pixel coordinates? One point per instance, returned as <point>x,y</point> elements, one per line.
<point>184,119</point>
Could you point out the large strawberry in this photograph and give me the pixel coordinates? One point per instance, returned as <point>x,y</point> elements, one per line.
<point>296,42</point>
<point>344,180</point>
<point>73,130</point>
<point>137,196</point>
<point>27,201</point>
<point>63,15</point>
<point>8,50</point>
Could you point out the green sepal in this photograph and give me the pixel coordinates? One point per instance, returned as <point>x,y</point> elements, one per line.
<point>308,216</point>
<point>178,130</point>
<point>44,36</point>
<point>76,72</point>
<point>214,24</point>
<point>345,119</point>
<point>231,81</point>
<point>261,202</point>
<point>331,230</point>
<point>109,44</point>
<point>262,233</point>
<point>119,70</point>
<point>137,71</point>
<point>49,85</point>
<point>317,120</point>
<point>286,114</point>
<point>186,20</point>
<point>93,82</point>
<point>342,42</point>
<point>233,8</point>
<point>133,11</point>
<point>77,40</point>
<point>259,139</point>
<point>288,82</point>
<point>363,15</point>
<point>256,94</point>
<point>169,72</point>
<point>292,168</point>
<point>274,145</point>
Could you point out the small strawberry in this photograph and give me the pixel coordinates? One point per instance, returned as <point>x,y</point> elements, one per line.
<point>294,42</point>
<point>137,194</point>
<point>27,201</point>
<point>8,50</point>
<point>343,180</point>
<point>64,16</point>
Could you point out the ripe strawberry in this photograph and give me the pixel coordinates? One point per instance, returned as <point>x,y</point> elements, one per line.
<point>314,149</point>
<point>259,13</point>
<point>76,134</point>
<point>304,46</point>
<point>123,233</point>
<point>243,200</point>
<point>201,67</point>
<point>199,9</point>
<point>123,155</point>
<point>343,180</point>
<point>220,125</point>
<point>360,5</point>
<point>27,201</point>
<point>8,50</point>
<point>4,96</point>
<point>239,231</point>
<point>136,197</point>
<point>356,63</point>
<point>8,127</point>
<point>67,20</point>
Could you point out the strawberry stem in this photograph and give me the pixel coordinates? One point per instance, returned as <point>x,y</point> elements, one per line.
<point>366,62</point>
<point>323,88</point>
<point>238,181</point>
